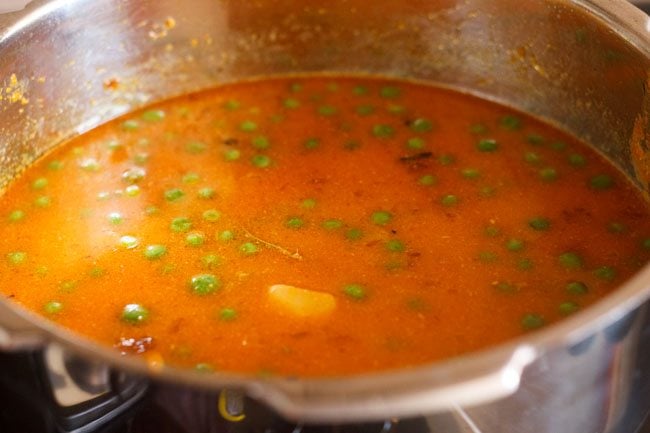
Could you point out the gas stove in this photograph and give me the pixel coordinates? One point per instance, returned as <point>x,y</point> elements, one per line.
<point>31,400</point>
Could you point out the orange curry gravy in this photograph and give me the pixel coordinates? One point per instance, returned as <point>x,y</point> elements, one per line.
<point>318,226</point>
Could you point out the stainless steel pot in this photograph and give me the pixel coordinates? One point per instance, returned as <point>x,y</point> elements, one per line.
<point>68,66</point>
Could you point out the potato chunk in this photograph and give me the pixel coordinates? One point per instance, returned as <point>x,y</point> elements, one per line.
<point>301,302</point>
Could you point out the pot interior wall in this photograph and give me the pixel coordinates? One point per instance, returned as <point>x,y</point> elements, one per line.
<point>69,66</point>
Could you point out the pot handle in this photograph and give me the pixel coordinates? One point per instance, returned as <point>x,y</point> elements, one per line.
<point>17,332</point>
<point>415,393</point>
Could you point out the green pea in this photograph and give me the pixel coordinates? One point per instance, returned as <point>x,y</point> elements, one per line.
<point>558,145</point>
<point>311,143</point>
<point>231,105</point>
<point>210,261</point>
<point>43,201</point>
<point>601,182</point>
<point>132,190</point>
<point>332,224</point>
<point>134,314</point>
<point>381,217</point>
<point>577,288</point>
<point>532,321</point>
<point>204,284</point>
<point>645,244</point>
<point>248,126</point>
<point>506,287</point>
<point>487,191</point>
<point>261,161</point>
<point>206,193</point>
<point>421,125</point>
<point>390,92</point>
<point>383,131</point>
<point>605,273</point>
<point>492,231</point>
<point>365,110</point>
<point>478,128</point>
<point>488,257</point>
<point>115,218</point>
<point>360,90</point>
<point>151,210</point>
<point>581,35</point>
<point>155,252</point>
<point>190,178</point>
<point>195,239</point>
<point>195,147</point>
<point>570,260</point>
<point>97,272</point>
<point>291,103</point>
<point>532,158</point>
<point>351,145</point>
<point>211,215</point>
<point>577,160</point>
<point>566,308</point>
<point>68,286</point>
<point>548,174</point>
<point>487,145</point>
<point>446,159</point>
<point>470,173</point>
<point>394,265</point>
<point>231,155</point>
<point>130,125</point>
<point>16,215</point>
<point>428,180</point>
<point>510,122</point>
<point>308,203</point>
<point>153,115</point>
<point>449,200</point>
<point>354,234</point>
<point>355,291</point>
<point>248,249</point>
<point>616,227</point>
<point>514,244</point>
<point>16,257</point>
<point>53,307</point>
<point>174,194</point>
<point>326,110</point>
<point>133,175</point>
<point>539,223</point>
<point>295,87</point>
<point>226,235</point>
<point>55,165</point>
<point>396,109</point>
<point>525,264</point>
<point>294,222</point>
<point>415,143</point>
<point>227,314</point>
<point>535,139</point>
<point>39,183</point>
<point>261,142</point>
<point>42,271</point>
<point>395,246</point>
<point>129,242</point>
<point>180,224</point>
<point>168,268</point>
<point>204,368</point>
